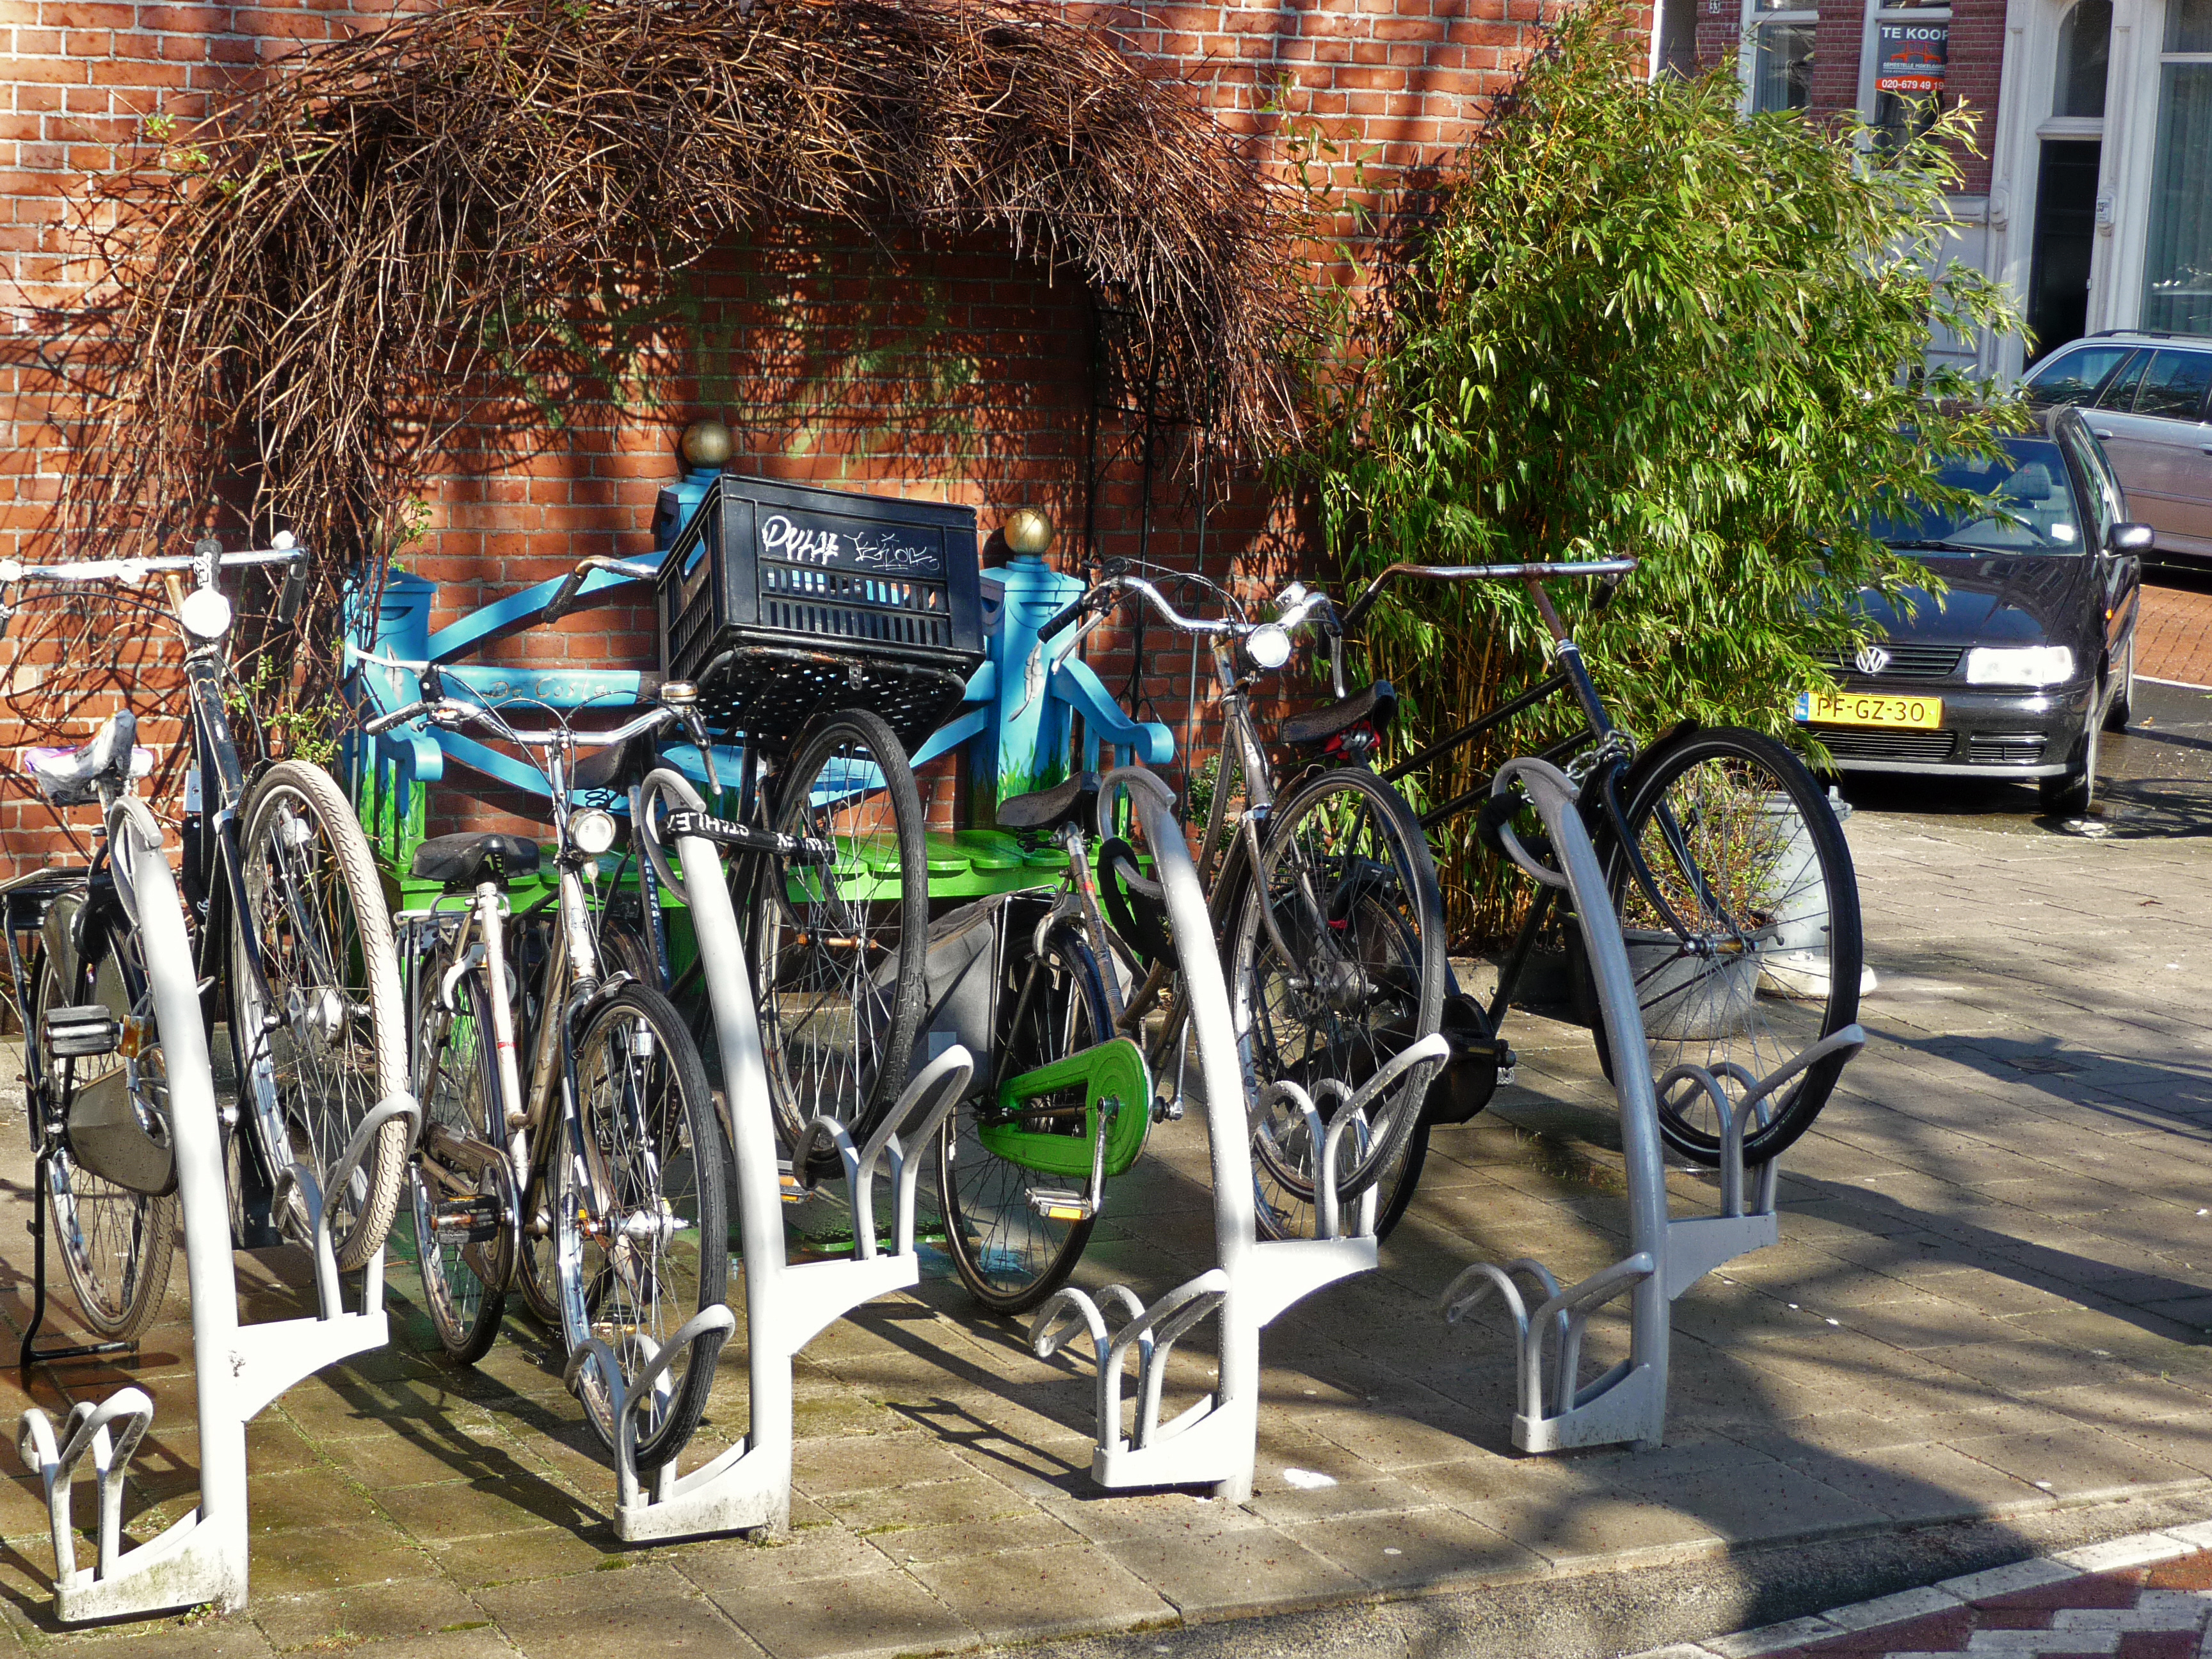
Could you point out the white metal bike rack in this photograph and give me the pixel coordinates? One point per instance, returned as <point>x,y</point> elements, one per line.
<point>1215,1442</point>
<point>240,1368</point>
<point>1628,1402</point>
<point>787,1306</point>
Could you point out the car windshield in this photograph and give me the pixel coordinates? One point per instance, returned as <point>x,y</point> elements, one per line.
<point>2029,508</point>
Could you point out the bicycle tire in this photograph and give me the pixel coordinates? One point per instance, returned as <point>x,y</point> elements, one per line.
<point>316,907</point>
<point>460,1087</point>
<point>1749,816</point>
<point>609,1292</point>
<point>1376,893</point>
<point>835,1043</point>
<point>118,1265</point>
<point>1010,1257</point>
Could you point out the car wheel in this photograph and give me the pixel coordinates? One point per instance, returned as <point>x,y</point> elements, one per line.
<point>2122,707</point>
<point>2072,795</point>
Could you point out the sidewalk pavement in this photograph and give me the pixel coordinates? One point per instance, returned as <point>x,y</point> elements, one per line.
<point>2175,641</point>
<point>1988,1309</point>
<point>2145,1597</point>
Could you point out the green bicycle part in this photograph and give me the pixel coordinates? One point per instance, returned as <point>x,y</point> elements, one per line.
<point>1112,1070</point>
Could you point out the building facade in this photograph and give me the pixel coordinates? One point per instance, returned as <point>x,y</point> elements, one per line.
<point>2090,194</point>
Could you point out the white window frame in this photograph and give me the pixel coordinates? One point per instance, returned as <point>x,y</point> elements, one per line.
<point>1750,19</point>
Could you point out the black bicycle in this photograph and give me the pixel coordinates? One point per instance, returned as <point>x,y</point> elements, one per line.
<point>1727,869</point>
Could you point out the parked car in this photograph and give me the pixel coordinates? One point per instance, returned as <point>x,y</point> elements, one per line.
<point>2145,397</point>
<point>2032,652</point>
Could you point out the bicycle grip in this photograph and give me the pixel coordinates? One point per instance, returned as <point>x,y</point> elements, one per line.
<point>294,592</point>
<point>565,595</point>
<point>383,723</point>
<point>1058,621</point>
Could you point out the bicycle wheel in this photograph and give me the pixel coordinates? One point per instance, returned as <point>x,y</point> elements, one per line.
<point>637,1191</point>
<point>841,995</point>
<point>1748,854</point>
<point>1009,1254</point>
<point>463,1287</point>
<point>1357,975</point>
<point>116,1245</point>
<point>337,1043</point>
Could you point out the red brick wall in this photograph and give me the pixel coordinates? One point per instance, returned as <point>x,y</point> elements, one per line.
<point>999,382</point>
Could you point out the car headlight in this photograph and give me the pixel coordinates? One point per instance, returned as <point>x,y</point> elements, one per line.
<point>2027,664</point>
<point>592,831</point>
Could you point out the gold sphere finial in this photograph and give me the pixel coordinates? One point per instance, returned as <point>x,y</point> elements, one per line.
<point>1027,531</point>
<point>707,443</point>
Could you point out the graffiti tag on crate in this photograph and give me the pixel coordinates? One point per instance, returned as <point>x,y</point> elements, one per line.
<point>875,548</point>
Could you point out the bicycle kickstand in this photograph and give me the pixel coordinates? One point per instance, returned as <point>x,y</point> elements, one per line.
<point>27,1355</point>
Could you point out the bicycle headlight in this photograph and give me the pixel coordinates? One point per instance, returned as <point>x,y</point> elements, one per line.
<point>2028,665</point>
<point>205,614</point>
<point>1267,646</point>
<point>592,831</point>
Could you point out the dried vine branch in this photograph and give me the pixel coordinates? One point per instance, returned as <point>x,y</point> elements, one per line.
<point>303,297</point>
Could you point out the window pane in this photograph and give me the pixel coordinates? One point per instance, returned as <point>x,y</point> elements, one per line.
<point>2175,385</point>
<point>1782,72</point>
<point>2072,376</point>
<point>2085,42</point>
<point>2189,25</point>
<point>2121,393</point>
<point>1901,116</point>
<point>2177,287</point>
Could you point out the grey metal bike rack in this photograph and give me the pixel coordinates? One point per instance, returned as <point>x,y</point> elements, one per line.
<point>1214,1443</point>
<point>787,1306</point>
<point>1628,1402</point>
<point>201,1558</point>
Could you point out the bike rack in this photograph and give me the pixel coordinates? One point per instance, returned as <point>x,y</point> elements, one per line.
<point>201,1558</point>
<point>1214,1443</point>
<point>787,1306</point>
<point>1627,1403</point>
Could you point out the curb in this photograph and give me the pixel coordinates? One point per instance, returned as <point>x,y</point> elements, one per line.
<point>2138,1550</point>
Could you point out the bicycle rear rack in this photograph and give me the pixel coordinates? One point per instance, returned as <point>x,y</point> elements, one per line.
<point>201,1558</point>
<point>1628,1402</point>
<point>1215,1442</point>
<point>787,1306</point>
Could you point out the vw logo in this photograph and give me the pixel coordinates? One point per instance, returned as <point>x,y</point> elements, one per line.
<point>1871,660</point>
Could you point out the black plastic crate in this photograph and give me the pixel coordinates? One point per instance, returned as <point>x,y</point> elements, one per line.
<point>783,601</point>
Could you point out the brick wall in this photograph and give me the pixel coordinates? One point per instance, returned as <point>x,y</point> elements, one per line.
<point>989,392</point>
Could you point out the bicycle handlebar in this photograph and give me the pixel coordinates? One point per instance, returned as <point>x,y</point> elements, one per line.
<point>135,570</point>
<point>1096,597</point>
<point>1540,570</point>
<point>564,596</point>
<point>453,712</point>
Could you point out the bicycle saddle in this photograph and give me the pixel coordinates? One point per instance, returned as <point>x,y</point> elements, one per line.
<point>72,777</point>
<point>1374,706</point>
<point>473,856</point>
<point>616,769</point>
<point>1073,802</point>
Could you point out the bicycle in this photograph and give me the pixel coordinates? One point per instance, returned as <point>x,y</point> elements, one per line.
<point>837,981</point>
<point>293,950</point>
<point>1331,927</point>
<point>1729,871</point>
<point>599,1189</point>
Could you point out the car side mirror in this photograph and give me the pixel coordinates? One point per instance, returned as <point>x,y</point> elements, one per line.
<point>2130,538</point>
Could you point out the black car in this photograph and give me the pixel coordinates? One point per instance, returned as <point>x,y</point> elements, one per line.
<point>2031,653</point>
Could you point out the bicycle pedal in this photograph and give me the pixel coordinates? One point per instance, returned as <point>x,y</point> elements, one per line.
<point>1057,1204</point>
<point>75,1033</point>
<point>793,1190</point>
<point>1167,1109</point>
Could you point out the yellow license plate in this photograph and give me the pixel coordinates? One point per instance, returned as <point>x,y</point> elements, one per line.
<point>1869,709</point>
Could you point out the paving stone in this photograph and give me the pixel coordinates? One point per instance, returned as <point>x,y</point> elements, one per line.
<point>884,1613</point>
<point>1026,1593</point>
<point>365,1613</point>
<point>1230,1574</point>
<point>1425,1549</point>
<point>734,1566</point>
<point>665,1624</point>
